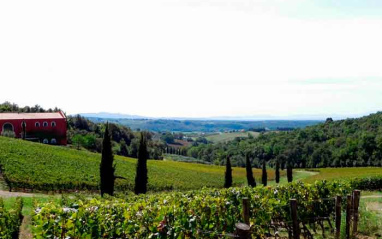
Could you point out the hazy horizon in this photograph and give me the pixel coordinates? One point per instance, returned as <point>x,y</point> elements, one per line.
<point>194,58</point>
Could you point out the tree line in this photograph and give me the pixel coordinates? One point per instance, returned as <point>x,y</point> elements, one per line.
<point>249,173</point>
<point>343,143</point>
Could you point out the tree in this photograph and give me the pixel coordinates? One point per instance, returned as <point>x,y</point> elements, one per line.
<point>79,140</point>
<point>107,167</point>
<point>141,178</point>
<point>277,171</point>
<point>289,172</point>
<point>228,174</point>
<point>168,138</point>
<point>23,125</point>
<point>264,177</point>
<point>250,179</point>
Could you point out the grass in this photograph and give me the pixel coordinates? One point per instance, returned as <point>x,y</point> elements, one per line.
<point>370,223</point>
<point>225,137</point>
<point>28,165</point>
<point>342,173</point>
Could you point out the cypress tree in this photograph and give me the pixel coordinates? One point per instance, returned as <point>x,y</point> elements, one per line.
<point>23,125</point>
<point>289,172</point>
<point>277,171</point>
<point>228,174</point>
<point>264,177</point>
<point>141,178</point>
<point>250,179</point>
<point>107,167</point>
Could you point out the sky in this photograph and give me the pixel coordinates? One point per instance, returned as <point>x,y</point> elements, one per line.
<point>194,58</point>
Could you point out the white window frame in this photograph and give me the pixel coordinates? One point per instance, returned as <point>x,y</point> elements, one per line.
<point>45,124</point>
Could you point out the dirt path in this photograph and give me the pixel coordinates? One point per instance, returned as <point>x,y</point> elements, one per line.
<point>372,196</point>
<point>6,194</point>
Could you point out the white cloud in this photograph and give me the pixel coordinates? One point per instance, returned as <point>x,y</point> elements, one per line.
<point>195,58</point>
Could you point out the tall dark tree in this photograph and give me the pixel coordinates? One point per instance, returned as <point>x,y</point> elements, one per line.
<point>107,167</point>
<point>264,177</point>
<point>250,179</point>
<point>228,174</point>
<point>141,178</point>
<point>24,125</point>
<point>289,172</point>
<point>277,171</point>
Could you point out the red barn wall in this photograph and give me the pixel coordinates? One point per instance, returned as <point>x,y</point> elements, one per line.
<point>57,132</point>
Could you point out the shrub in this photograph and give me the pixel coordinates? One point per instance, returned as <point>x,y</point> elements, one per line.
<point>10,220</point>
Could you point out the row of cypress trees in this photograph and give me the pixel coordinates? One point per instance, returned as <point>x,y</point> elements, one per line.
<point>107,166</point>
<point>108,177</point>
<point>250,179</point>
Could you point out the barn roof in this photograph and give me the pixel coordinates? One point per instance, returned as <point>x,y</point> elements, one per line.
<point>15,116</point>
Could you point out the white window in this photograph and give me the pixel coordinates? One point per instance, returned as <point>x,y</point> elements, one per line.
<point>45,124</point>
<point>45,141</point>
<point>53,124</point>
<point>37,124</point>
<point>53,141</point>
<point>23,124</point>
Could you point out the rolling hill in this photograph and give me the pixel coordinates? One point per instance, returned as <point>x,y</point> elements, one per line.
<point>33,166</point>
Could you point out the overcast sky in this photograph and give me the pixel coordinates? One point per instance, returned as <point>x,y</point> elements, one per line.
<point>193,58</point>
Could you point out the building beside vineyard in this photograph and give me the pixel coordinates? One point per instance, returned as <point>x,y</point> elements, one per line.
<point>47,128</point>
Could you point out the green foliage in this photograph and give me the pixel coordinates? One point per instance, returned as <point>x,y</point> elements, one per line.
<point>248,168</point>
<point>107,167</point>
<point>38,167</point>
<point>289,173</point>
<point>84,133</point>
<point>228,174</point>
<point>264,177</point>
<point>196,214</point>
<point>168,138</point>
<point>10,220</point>
<point>7,107</point>
<point>160,125</point>
<point>343,143</point>
<point>141,177</point>
<point>370,183</point>
<point>277,172</point>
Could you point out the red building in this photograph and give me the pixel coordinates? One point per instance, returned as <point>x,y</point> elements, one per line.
<point>47,128</point>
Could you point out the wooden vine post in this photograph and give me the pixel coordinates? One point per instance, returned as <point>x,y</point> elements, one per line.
<point>338,216</point>
<point>295,223</point>
<point>246,211</point>
<point>243,230</point>
<point>348,215</point>
<point>356,198</point>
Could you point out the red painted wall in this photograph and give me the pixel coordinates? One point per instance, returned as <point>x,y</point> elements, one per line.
<point>57,132</point>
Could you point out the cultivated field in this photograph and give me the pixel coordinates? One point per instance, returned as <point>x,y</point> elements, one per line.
<point>342,173</point>
<point>32,166</point>
<point>224,137</point>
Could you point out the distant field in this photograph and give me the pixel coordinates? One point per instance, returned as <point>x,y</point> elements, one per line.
<point>161,125</point>
<point>36,166</point>
<point>343,173</point>
<point>224,137</point>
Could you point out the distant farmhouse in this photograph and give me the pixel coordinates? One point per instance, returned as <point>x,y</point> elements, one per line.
<point>47,128</point>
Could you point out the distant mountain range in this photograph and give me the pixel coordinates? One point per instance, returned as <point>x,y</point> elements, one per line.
<point>213,124</point>
<point>107,115</point>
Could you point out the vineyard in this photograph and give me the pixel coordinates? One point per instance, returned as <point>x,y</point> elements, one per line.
<point>37,167</point>
<point>207,213</point>
<point>10,220</point>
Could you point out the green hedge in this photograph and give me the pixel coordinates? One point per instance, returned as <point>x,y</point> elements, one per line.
<point>10,220</point>
<point>369,183</point>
